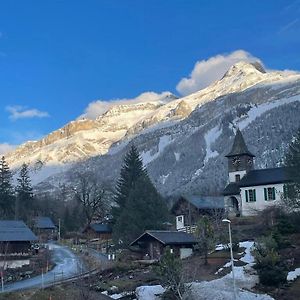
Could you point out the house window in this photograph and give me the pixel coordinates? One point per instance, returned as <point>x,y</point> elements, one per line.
<point>180,219</point>
<point>250,195</point>
<point>269,193</point>
<point>237,178</point>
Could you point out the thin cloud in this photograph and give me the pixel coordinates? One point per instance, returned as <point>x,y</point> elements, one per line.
<point>207,71</point>
<point>99,107</point>
<point>5,148</point>
<point>20,112</point>
<point>288,26</point>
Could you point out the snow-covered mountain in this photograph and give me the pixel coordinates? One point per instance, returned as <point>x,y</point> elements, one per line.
<point>182,141</point>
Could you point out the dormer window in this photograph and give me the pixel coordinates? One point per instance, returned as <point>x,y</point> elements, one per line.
<point>237,177</point>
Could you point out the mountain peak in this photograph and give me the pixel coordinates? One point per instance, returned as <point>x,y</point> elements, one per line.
<point>243,68</point>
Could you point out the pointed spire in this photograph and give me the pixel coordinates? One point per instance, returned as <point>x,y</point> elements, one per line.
<point>239,146</point>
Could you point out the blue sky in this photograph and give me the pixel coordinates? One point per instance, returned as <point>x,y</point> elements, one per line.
<point>56,57</point>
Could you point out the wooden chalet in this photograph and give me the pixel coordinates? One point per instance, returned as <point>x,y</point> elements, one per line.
<point>15,239</point>
<point>45,228</point>
<point>153,243</point>
<point>98,231</point>
<point>189,208</point>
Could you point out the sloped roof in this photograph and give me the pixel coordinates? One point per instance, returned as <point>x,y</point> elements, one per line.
<point>100,228</point>
<point>167,237</point>
<point>239,146</point>
<point>205,202</point>
<point>13,231</point>
<point>265,176</point>
<point>44,223</point>
<point>231,189</point>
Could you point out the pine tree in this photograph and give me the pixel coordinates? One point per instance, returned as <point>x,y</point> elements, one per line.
<point>6,190</point>
<point>292,162</point>
<point>24,203</point>
<point>131,170</point>
<point>140,205</point>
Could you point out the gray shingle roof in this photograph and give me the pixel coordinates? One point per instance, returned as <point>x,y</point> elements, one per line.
<point>168,237</point>
<point>13,231</point>
<point>205,202</point>
<point>44,223</point>
<point>265,176</point>
<point>231,189</point>
<point>239,146</point>
<point>100,228</point>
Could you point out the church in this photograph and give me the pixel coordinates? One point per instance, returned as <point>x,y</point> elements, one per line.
<point>248,190</point>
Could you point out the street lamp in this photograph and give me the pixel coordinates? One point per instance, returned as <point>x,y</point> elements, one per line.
<point>231,255</point>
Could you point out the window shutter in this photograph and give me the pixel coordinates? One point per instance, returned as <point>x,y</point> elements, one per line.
<point>254,195</point>
<point>273,193</point>
<point>265,193</point>
<point>246,194</point>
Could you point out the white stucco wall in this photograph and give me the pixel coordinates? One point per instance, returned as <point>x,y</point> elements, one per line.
<point>251,208</point>
<point>232,175</point>
<point>179,224</point>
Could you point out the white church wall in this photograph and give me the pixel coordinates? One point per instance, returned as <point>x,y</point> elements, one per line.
<point>233,174</point>
<point>251,208</point>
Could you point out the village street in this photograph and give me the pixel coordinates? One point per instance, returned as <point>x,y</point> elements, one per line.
<point>67,265</point>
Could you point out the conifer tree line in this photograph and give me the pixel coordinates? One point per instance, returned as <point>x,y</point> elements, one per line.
<point>16,202</point>
<point>292,162</point>
<point>139,206</point>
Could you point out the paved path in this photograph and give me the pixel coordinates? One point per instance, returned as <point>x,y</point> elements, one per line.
<point>67,265</point>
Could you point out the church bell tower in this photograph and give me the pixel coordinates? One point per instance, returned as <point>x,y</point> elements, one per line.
<point>240,159</point>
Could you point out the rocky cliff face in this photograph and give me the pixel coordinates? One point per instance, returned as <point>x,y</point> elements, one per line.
<point>182,141</point>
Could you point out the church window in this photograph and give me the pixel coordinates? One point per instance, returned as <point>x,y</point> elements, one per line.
<point>250,195</point>
<point>269,193</point>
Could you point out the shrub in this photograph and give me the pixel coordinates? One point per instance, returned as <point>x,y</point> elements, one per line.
<point>272,275</point>
<point>269,268</point>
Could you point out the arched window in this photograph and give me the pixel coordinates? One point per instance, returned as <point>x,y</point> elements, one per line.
<point>237,177</point>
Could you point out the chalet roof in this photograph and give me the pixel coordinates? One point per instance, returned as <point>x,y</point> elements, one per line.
<point>100,228</point>
<point>205,202</point>
<point>231,189</point>
<point>44,223</point>
<point>265,176</point>
<point>239,146</point>
<point>14,231</point>
<point>167,237</point>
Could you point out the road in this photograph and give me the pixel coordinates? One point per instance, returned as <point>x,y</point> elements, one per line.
<point>67,265</point>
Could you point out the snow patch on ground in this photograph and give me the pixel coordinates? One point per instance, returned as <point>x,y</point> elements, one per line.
<point>147,157</point>
<point>177,156</point>
<point>248,257</point>
<point>149,292</point>
<point>210,137</point>
<point>293,274</point>
<point>163,178</point>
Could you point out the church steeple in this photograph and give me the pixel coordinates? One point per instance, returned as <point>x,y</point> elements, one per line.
<point>240,159</point>
<point>239,146</point>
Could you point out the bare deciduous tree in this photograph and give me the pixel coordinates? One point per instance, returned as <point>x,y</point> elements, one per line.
<point>90,195</point>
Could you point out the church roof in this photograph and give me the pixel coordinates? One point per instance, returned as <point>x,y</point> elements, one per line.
<point>231,189</point>
<point>265,176</point>
<point>239,146</point>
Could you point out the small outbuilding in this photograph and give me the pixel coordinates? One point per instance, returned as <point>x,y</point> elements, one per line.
<point>153,243</point>
<point>99,231</point>
<point>45,228</point>
<point>189,208</point>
